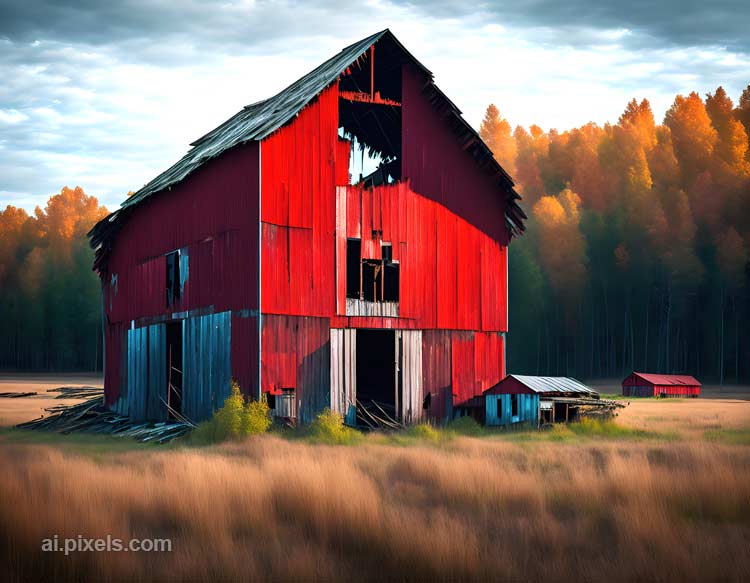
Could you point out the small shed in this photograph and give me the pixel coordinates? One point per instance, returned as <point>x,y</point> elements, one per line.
<point>532,399</point>
<point>640,384</point>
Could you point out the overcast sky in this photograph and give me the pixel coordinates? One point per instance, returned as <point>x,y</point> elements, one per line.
<point>107,94</point>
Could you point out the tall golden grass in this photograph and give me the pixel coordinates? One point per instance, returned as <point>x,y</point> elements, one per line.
<point>269,509</point>
<point>473,509</point>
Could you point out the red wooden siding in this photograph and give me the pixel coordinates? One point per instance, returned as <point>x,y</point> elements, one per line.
<point>114,344</point>
<point>460,365</point>
<point>451,274</point>
<point>299,168</point>
<point>440,169</point>
<point>651,385</point>
<point>296,354</point>
<point>436,371</point>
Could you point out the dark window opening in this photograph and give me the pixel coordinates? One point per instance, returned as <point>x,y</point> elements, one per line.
<point>174,369</point>
<point>173,277</point>
<point>371,280</point>
<point>514,405</point>
<point>271,400</point>
<point>391,285</point>
<point>353,253</point>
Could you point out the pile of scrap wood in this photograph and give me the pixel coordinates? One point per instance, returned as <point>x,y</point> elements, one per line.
<point>594,408</point>
<point>77,392</point>
<point>92,417</point>
<point>12,395</point>
<point>373,415</point>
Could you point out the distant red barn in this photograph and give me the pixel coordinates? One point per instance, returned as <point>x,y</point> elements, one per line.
<point>640,384</point>
<point>342,244</point>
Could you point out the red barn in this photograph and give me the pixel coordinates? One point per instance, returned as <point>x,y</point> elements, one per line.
<point>341,243</point>
<point>640,384</point>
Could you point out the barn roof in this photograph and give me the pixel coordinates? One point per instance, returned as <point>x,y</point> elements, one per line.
<point>258,120</point>
<point>550,385</point>
<point>667,379</point>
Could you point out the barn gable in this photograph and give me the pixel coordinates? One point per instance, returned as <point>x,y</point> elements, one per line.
<point>257,121</point>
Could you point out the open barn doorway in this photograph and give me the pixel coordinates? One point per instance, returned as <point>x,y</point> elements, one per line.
<point>378,385</point>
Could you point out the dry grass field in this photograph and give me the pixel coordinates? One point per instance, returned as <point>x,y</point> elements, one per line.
<point>663,495</point>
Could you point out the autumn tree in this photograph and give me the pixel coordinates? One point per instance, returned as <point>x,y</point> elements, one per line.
<point>50,303</point>
<point>496,133</point>
<point>693,136</point>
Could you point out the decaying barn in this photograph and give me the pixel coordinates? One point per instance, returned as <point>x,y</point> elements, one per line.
<point>342,243</point>
<point>641,384</point>
<point>533,400</point>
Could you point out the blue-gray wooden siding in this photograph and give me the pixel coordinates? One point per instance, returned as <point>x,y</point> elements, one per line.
<point>146,374</point>
<point>498,409</point>
<point>206,347</point>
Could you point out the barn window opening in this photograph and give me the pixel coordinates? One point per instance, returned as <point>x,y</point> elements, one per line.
<point>271,401</point>
<point>514,405</point>
<point>353,254</point>
<point>173,277</point>
<point>370,115</point>
<point>285,404</point>
<point>371,280</point>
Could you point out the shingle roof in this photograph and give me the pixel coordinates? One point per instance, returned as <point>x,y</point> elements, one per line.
<point>668,379</point>
<point>258,120</point>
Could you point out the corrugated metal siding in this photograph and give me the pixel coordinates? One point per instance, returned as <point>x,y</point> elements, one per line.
<point>296,353</point>
<point>206,364</point>
<point>640,378</point>
<point>498,409</point>
<point>545,385</point>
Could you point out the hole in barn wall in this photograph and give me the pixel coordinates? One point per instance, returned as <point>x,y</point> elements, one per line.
<point>370,116</point>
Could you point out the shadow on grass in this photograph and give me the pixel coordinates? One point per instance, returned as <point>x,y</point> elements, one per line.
<point>587,429</point>
<point>90,444</point>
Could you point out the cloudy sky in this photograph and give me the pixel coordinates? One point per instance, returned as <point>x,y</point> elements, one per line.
<point>107,94</point>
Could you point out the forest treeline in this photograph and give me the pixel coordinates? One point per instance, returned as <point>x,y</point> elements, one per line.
<point>50,300</point>
<point>636,254</point>
<point>636,250</point>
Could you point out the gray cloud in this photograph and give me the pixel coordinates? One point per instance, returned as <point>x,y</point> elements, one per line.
<point>107,94</point>
<point>650,22</point>
<point>235,24</point>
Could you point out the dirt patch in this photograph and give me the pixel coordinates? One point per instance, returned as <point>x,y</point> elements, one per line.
<point>14,411</point>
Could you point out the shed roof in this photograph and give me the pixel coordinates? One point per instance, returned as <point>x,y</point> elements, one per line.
<point>258,120</point>
<point>667,379</point>
<point>551,385</point>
